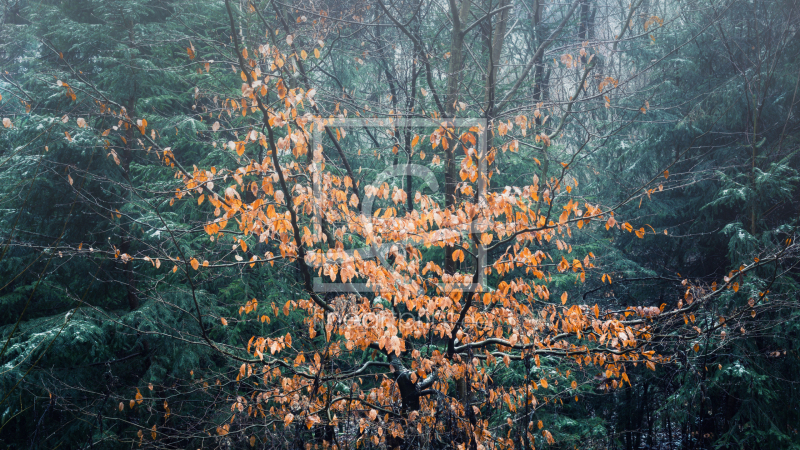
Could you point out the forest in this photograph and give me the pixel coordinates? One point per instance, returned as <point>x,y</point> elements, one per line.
<point>400,224</point>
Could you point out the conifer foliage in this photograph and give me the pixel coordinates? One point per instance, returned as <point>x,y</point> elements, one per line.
<point>472,224</point>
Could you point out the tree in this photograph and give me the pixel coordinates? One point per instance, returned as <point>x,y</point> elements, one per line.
<point>430,320</point>
<point>80,83</point>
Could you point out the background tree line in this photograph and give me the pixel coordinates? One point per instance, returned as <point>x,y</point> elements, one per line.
<point>130,128</point>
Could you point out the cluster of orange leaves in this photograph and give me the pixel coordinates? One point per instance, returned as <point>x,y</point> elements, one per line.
<point>514,320</point>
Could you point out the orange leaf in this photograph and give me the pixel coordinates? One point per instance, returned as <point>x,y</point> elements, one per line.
<point>611,222</point>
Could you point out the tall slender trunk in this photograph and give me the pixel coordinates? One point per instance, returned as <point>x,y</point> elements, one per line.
<point>539,84</point>
<point>127,157</point>
<point>459,16</point>
<point>495,47</point>
<point>410,108</point>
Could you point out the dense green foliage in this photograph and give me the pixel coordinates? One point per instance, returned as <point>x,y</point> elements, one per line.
<point>83,330</point>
